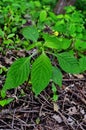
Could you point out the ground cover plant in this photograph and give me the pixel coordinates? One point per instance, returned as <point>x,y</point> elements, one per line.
<point>59,38</point>
<point>42,65</point>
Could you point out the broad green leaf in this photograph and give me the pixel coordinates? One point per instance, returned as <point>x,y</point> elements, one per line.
<point>64,43</point>
<point>57,76</point>
<point>37,3</point>
<point>68,63</point>
<point>6,101</point>
<point>69,9</point>
<point>43,15</point>
<point>76,17</point>
<point>60,26</point>
<point>80,45</point>
<point>82,63</point>
<point>53,16</point>
<point>71,29</point>
<point>18,73</point>
<point>60,16</point>
<point>52,42</point>
<point>41,73</point>
<point>30,33</point>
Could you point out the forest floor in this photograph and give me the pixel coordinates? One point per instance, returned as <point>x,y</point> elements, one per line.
<point>28,112</point>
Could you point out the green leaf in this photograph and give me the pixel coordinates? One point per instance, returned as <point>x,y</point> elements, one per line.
<point>30,33</point>
<point>1,19</point>
<point>60,26</point>
<point>1,33</point>
<point>57,76</point>
<point>10,35</point>
<point>80,45</point>
<point>8,41</point>
<point>43,15</point>
<point>6,101</point>
<point>68,63</point>
<point>71,28</point>
<point>52,42</point>
<point>37,3</point>
<point>69,9</point>
<point>36,44</point>
<point>41,73</point>
<point>53,16</point>
<point>60,16</point>
<point>3,93</point>
<point>54,89</point>
<point>55,97</point>
<point>64,43</point>
<point>82,63</point>
<point>18,73</point>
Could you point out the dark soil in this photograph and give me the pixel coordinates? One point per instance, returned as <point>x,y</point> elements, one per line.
<point>28,112</point>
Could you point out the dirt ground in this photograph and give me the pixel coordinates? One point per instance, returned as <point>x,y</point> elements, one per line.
<point>28,112</point>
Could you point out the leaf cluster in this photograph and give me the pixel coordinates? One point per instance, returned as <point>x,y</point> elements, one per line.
<point>58,44</point>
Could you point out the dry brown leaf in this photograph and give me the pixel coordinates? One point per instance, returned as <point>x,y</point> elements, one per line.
<point>57,118</point>
<point>79,76</point>
<point>72,110</point>
<point>55,107</point>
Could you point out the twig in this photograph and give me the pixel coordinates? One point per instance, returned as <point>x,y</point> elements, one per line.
<point>68,80</point>
<point>65,120</point>
<point>6,124</point>
<point>75,94</point>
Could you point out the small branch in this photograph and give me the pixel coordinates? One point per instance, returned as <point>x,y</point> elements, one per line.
<point>68,80</point>
<point>75,94</point>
